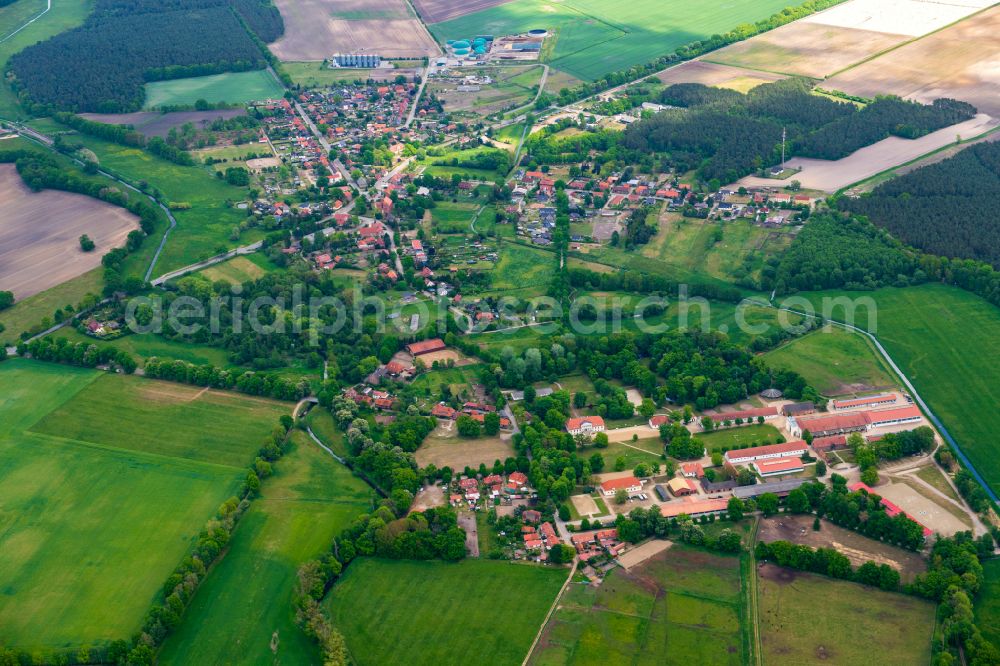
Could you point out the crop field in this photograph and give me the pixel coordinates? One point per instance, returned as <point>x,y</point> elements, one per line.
<point>154,123</point>
<point>988,602</point>
<point>394,612</point>
<point>957,62</point>
<point>806,618</point>
<point>435,11</point>
<point>80,558</point>
<point>825,43</point>
<point>713,74</point>
<point>310,499</point>
<point>230,88</point>
<point>834,361</point>
<point>682,606</point>
<point>204,425</point>
<point>39,246</point>
<point>202,229</point>
<point>593,38</point>
<point>17,34</point>
<point>316,29</point>
<point>947,341</point>
<point>729,438</point>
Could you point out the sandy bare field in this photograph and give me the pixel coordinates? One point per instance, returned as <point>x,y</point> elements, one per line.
<point>633,557</point>
<point>901,17</point>
<point>926,511</point>
<point>444,448</point>
<point>435,11</point>
<point>584,505</point>
<point>822,44</point>
<point>961,61</point>
<point>712,74</point>
<point>806,49</point>
<point>316,29</point>
<point>40,231</point>
<point>830,176</point>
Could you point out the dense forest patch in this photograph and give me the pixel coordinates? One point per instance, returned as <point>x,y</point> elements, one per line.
<point>102,65</point>
<point>728,135</point>
<point>946,208</point>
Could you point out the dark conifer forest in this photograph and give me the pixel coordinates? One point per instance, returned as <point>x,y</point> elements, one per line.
<point>102,65</point>
<point>948,208</point>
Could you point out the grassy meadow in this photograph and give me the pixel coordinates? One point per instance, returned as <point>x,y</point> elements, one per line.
<point>166,419</point>
<point>680,607</point>
<point>834,361</point>
<point>310,499</point>
<point>806,618</point>
<point>947,341</point>
<point>96,510</point>
<point>227,88</point>
<point>26,314</point>
<point>204,228</point>
<point>729,438</point>
<point>590,38</point>
<point>395,612</point>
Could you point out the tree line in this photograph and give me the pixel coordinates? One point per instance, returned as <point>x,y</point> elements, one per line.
<point>946,208</point>
<point>102,65</point>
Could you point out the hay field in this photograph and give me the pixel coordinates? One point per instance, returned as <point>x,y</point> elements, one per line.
<point>40,231</point>
<point>316,29</point>
<point>825,43</point>
<point>444,448</point>
<point>833,175</point>
<point>961,61</point>
<point>713,74</point>
<point>96,512</point>
<point>229,88</point>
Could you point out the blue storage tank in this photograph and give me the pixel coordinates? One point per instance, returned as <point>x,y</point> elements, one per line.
<point>461,52</point>
<point>461,44</point>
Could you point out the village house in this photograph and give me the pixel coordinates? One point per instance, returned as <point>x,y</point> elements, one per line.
<point>585,425</point>
<point>630,484</point>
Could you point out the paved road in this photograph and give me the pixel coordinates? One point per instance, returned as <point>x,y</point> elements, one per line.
<point>416,100</point>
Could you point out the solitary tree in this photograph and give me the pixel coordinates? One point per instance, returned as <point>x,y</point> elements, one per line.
<point>86,244</point>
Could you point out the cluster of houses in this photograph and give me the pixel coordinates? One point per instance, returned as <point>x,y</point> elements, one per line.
<point>369,396</point>
<point>597,543</point>
<point>474,410</point>
<point>495,487</point>
<point>765,206</point>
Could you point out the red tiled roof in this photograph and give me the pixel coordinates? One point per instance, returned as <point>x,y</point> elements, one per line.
<point>776,465</point>
<point>891,509</point>
<point>692,507</point>
<point>884,415</point>
<point>574,423</point>
<point>621,483</point>
<point>745,414</point>
<point>425,346</point>
<point>770,449</point>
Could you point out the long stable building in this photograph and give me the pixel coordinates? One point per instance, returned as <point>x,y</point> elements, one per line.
<point>842,424</point>
<point>786,450</point>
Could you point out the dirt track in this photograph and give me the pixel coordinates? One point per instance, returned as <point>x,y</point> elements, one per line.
<point>40,231</point>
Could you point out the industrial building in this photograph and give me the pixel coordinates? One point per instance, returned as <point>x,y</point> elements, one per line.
<point>357,60</point>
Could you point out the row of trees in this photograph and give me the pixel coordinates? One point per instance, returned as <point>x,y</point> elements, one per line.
<point>83,354</point>
<point>244,381</point>
<point>101,66</point>
<point>828,562</point>
<point>126,136</point>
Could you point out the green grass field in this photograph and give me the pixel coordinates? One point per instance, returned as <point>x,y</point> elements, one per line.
<point>731,437</point>
<point>310,500</point>
<point>592,38</point>
<point>681,607</point>
<point>640,451</point>
<point>204,228</point>
<point>947,341</point>
<point>834,361</point>
<point>315,75</point>
<point>807,618</point>
<point>520,266</point>
<point>395,612</point>
<point>93,515</point>
<point>228,88</point>
<point>988,602</point>
<point>239,269</point>
<point>321,422</point>
<point>452,218</point>
<point>64,15</point>
<point>206,426</point>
